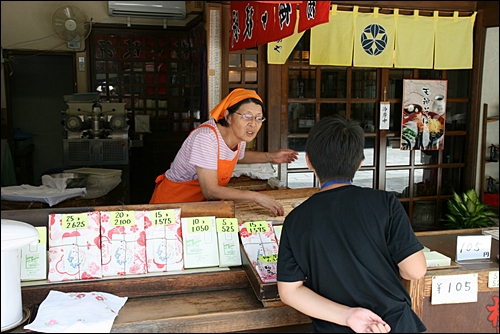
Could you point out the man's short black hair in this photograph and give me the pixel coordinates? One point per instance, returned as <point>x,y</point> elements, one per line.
<point>335,148</point>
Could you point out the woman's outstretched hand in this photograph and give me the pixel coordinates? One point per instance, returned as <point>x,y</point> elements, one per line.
<point>283,155</point>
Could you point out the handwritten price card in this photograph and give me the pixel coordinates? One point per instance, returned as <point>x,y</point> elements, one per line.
<point>493,279</point>
<point>122,218</point>
<point>257,227</point>
<point>72,221</point>
<point>454,289</point>
<point>268,258</point>
<point>197,225</point>
<point>162,217</point>
<point>227,225</point>
<point>473,247</point>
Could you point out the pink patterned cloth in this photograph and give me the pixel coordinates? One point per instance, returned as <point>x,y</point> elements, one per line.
<point>77,312</point>
<point>123,246</point>
<point>74,253</point>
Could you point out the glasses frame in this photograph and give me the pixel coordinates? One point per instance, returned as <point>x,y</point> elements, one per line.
<point>249,118</point>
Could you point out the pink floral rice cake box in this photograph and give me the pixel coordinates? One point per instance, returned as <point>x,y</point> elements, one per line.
<point>260,245</point>
<point>123,242</point>
<point>74,247</point>
<point>163,240</point>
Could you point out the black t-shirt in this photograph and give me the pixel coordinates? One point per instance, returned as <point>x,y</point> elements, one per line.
<point>346,243</point>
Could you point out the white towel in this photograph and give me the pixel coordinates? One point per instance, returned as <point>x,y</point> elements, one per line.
<point>77,312</point>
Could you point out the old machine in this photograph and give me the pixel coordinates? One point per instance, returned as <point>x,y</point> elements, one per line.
<point>96,133</point>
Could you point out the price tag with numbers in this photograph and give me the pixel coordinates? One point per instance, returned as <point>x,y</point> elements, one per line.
<point>227,225</point>
<point>122,218</point>
<point>162,217</point>
<point>257,227</point>
<point>75,220</point>
<point>493,279</point>
<point>454,289</point>
<point>473,247</point>
<point>268,258</point>
<point>199,225</point>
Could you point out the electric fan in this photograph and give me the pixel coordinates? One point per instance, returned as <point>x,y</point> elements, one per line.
<point>71,24</point>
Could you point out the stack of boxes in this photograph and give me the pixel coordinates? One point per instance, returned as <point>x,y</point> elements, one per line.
<point>97,244</point>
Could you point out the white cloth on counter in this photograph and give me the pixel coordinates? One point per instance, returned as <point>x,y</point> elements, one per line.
<point>255,171</point>
<point>77,312</point>
<point>43,193</point>
<point>55,183</point>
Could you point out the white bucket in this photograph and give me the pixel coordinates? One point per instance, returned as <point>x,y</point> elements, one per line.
<point>15,234</point>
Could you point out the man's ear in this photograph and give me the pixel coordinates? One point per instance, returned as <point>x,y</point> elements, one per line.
<point>360,164</point>
<point>309,163</point>
<point>226,115</point>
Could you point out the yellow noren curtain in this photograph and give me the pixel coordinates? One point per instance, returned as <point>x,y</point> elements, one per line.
<point>331,43</point>
<point>453,42</point>
<point>414,43</point>
<point>278,52</point>
<point>373,39</point>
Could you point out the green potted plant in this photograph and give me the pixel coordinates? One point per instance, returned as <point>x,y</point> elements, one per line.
<point>467,211</point>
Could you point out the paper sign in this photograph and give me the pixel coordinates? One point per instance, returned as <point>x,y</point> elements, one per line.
<point>71,221</point>
<point>269,258</point>
<point>493,279</point>
<point>473,247</point>
<point>385,113</point>
<point>122,218</point>
<point>225,225</point>
<point>454,289</point>
<point>257,227</point>
<point>162,217</point>
<point>199,225</point>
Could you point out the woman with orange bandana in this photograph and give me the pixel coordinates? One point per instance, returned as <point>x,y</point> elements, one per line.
<point>204,164</point>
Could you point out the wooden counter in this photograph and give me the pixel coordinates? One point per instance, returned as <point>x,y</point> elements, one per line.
<point>463,317</point>
<point>221,300</point>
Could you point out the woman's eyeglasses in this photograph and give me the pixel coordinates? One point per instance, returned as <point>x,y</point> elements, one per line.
<point>248,117</point>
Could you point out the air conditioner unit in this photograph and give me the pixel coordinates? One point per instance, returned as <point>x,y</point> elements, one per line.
<point>148,9</point>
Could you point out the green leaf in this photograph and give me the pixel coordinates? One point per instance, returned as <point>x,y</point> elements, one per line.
<point>467,211</point>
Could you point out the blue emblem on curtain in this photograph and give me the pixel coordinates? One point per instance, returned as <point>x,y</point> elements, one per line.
<point>374,39</point>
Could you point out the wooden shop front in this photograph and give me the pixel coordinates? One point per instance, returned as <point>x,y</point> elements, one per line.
<point>235,300</point>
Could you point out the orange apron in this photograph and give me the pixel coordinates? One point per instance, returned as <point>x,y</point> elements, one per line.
<point>167,191</point>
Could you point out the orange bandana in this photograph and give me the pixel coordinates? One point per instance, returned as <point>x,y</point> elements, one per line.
<point>237,95</point>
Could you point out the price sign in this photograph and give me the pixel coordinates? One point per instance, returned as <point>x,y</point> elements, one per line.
<point>493,279</point>
<point>269,258</point>
<point>42,231</point>
<point>473,247</point>
<point>197,225</point>
<point>454,289</point>
<point>162,217</point>
<point>122,218</point>
<point>227,225</point>
<point>257,227</point>
<point>76,220</point>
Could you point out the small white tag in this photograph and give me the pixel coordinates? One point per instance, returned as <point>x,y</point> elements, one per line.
<point>454,289</point>
<point>472,247</point>
<point>493,279</point>
<point>385,114</point>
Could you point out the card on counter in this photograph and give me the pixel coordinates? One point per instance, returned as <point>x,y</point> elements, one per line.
<point>123,242</point>
<point>200,242</point>
<point>163,240</point>
<point>74,246</point>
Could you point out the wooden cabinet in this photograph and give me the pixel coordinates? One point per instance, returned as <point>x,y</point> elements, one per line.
<point>461,317</point>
